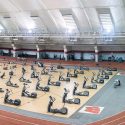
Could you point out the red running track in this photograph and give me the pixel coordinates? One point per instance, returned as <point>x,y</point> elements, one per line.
<point>118,119</point>
<point>7,118</point>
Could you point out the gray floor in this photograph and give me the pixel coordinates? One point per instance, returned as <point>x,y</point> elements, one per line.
<point>111,99</point>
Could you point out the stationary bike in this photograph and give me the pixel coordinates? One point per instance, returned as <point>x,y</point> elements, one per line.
<point>70,101</point>
<point>63,110</point>
<point>26,93</point>
<point>83,93</point>
<point>40,88</point>
<point>15,102</point>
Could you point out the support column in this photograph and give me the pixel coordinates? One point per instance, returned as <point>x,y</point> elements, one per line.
<point>14,50</point>
<point>65,53</point>
<point>96,54</point>
<point>38,52</point>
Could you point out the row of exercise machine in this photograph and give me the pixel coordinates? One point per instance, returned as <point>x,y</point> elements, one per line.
<point>96,79</point>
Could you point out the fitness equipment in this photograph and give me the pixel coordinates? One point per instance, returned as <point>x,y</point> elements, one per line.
<point>44,71</point>
<point>26,93</point>
<point>23,70</point>
<point>34,75</point>
<point>76,71</point>
<point>15,102</point>
<point>2,76</point>
<point>61,78</point>
<point>84,68</point>
<point>60,66</point>
<point>9,83</point>
<point>104,74</point>
<point>71,75</point>
<point>90,86</point>
<point>99,79</point>
<point>11,73</point>
<point>117,83</point>
<point>40,64</point>
<point>22,79</point>
<point>70,101</point>
<point>32,67</point>
<point>62,110</point>
<point>1,90</point>
<point>58,83</point>
<point>52,68</point>
<point>38,87</point>
<point>83,93</point>
<point>111,69</point>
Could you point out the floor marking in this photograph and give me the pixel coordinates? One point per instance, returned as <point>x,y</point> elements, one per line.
<point>92,110</point>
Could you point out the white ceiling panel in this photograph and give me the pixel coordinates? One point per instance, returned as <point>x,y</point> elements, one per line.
<point>56,4</point>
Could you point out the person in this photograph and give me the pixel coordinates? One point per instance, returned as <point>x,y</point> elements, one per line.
<point>6,95</point>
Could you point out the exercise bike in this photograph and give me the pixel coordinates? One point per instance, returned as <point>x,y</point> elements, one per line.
<point>69,101</point>
<point>90,86</point>
<point>62,110</point>
<point>15,102</point>
<point>83,93</point>
<point>26,93</point>
<point>9,83</point>
<point>40,88</point>
<point>61,78</point>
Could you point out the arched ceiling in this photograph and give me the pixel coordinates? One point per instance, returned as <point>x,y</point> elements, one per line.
<point>82,21</point>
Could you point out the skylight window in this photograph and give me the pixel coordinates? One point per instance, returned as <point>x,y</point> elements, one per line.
<point>106,20</point>
<point>1,27</point>
<point>71,26</point>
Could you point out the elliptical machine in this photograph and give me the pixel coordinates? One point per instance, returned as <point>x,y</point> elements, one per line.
<point>98,80</point>
<point>34,75</point>
<point>2,76</point>
<point>40,64</point>
<point>15,102</point>
<point>22,79</point>
<point>69,101</point>
<point>57,83</point>
<point>44,71</point>
<point>9,83</point>
<point>90,86</point>
<point>83,93</point>
<point>61,78</point>
<point>26,93</point>
<point>63,110</point>
<point>76,71</point>
<point>71,75</point>
<point>40,88</point>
